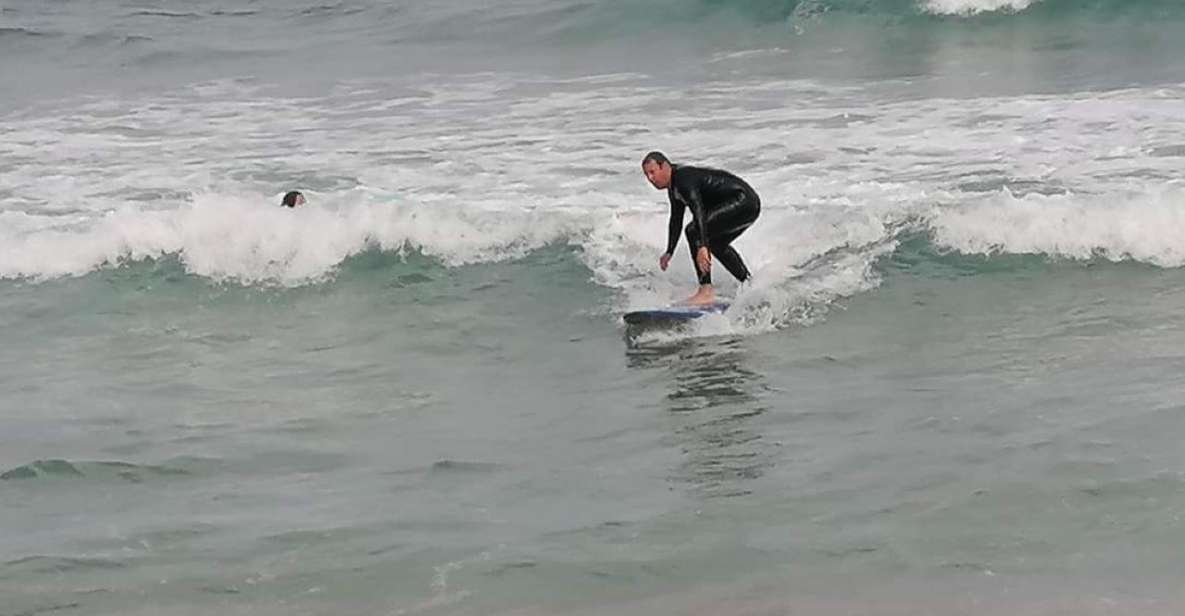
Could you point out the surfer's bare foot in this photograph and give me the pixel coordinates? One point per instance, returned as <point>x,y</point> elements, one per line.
<point>706,295</point>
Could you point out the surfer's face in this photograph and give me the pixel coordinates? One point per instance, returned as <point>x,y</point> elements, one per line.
<point>658,174</point>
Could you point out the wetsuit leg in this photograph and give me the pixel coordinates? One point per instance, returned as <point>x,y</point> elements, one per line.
<point>724,225</point>
<point>731,260</point>
<point>692,232</point>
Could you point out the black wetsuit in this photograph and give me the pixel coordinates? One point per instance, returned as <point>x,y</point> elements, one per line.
<point>723,206</point>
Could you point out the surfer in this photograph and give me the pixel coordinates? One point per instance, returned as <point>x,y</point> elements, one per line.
<point>292,198</point>
<point>722,206</point>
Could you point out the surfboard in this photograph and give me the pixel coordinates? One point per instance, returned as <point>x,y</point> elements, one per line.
<point>672,315</point>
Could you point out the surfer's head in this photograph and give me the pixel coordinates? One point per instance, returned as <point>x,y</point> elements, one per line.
<point>657,168</point>
<point>292,198</point>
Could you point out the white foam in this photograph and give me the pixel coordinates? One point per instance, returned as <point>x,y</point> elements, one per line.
<point>1146,224</point>
<point>971,7</point>
<point>802,260</point>
<point>491,166</point>
<point>250,240</point>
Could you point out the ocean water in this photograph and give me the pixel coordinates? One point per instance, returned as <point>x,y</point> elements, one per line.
<point>953,386</point>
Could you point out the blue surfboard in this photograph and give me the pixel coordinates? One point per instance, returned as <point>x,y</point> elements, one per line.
<point>672,315</point>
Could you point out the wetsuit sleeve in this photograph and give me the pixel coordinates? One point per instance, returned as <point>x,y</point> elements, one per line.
<point>675,226</point>
<point>696,204</point>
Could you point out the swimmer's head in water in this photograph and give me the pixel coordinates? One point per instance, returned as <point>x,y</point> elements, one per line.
<point>292,198</point>
<point>657,168</point>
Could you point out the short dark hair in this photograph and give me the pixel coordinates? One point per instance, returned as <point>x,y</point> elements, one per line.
<point>656,157</point>
<point>289,199</point>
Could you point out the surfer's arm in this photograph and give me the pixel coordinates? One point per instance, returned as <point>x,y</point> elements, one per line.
<point>696,205</point>
<point>675,227</point>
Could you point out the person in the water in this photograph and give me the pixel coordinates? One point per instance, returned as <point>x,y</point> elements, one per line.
<point>722,206</point>
<point>292,198</point>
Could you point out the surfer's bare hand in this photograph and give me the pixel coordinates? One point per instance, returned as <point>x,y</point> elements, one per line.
<point>703,259</point>
<point>664,261</point>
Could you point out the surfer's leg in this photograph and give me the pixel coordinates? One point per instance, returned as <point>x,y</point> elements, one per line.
<point>725,224</point>
<point>705,294</point>
<point>731,260</point>
<point>692,233</point>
